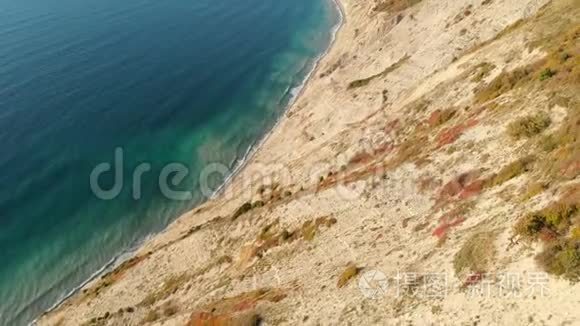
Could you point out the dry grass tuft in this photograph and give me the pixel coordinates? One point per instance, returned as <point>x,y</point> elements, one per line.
<point>169,308</point>
<point>481,71</point>
<point>510,171</point>
<point>560,68</point>
<point>269,238</point>
<point>349,272</point>
<point>365,81</point>
<point>150,316</point>
<point>563,146</point>
<point>476,254</point>
<point>534,189</point>
<point>394,6</point>
<point>412,149</point>
<point>246,301</point>
<point>505,82</point>
<point>170,286</point>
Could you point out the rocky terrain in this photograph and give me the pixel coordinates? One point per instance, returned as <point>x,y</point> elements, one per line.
<point>428,174</point>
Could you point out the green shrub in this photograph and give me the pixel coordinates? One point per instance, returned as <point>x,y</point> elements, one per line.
<point>562,259</point>
<point>257,204</point>
<point>559,214</point>
<point>242,210</point>
<point>556,218</point>
<point>565,56</point>
<point>548,143</point>
<point>575,233</point>
<point>529,126</point>
<point>529,226</point>
<point>547,74</point>
<point>309,230</point>
<point>359,83</point>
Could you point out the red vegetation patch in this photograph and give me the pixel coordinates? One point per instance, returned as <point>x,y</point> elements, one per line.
<point>434,118</point>
<point>571,169</point>
<point>209,319</point>
<point>547,235</point>
<point>384,148</point>
<point>571,194</point>
<point>359,158</point>
<point>445,225</point>
<point>464,186</point>
<point>473,279</point>
<point>238,310</point>
<point>368,156</point>
<point>450,135</point>
<point>439,117</point>
<point>453,187</point>
<point>472,189</point>
<point>392,125</point>
<point>348,177</point>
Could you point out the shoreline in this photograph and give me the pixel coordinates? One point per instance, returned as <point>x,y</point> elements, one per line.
<point>290,247</point>
<point>238,168</point>
<point>255,148</point>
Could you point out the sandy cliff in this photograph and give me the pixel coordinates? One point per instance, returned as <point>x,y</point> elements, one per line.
<point>428,174</point>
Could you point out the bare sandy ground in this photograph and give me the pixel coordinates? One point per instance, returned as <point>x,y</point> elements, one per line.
<point>365,198</point>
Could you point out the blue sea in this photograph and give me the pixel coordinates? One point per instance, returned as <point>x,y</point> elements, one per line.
<point>191,82</point>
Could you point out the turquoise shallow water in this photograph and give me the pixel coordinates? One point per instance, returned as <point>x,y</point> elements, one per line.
<point>188,81</point>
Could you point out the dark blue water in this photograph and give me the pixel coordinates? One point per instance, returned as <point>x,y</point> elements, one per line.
<point>188,81</point>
